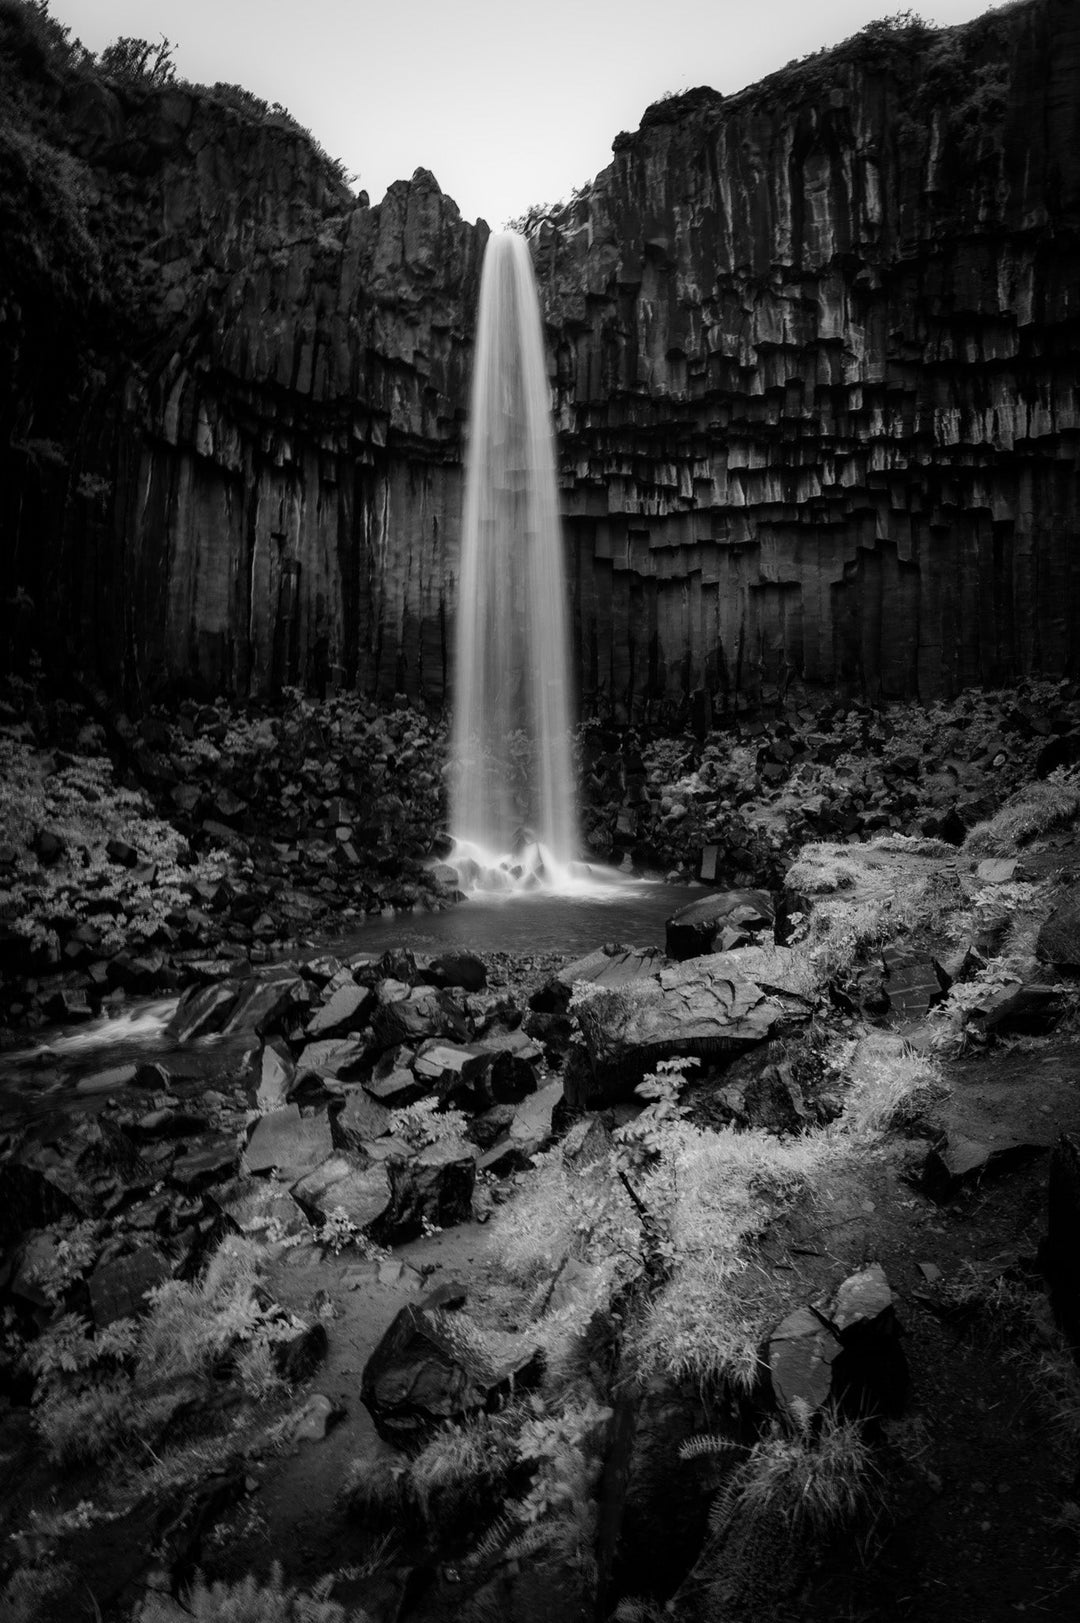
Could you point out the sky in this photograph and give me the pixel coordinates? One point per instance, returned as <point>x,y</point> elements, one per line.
<point>507,104</point>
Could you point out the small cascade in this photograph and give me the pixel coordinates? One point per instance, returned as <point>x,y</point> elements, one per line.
<point>513,811</point>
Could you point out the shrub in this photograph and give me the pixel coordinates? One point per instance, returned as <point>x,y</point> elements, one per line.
<point>139,61</point>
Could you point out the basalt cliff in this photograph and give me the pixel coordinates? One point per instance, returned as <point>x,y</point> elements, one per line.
<point>815,354</point>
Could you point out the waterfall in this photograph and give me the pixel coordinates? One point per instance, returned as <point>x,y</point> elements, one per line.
<point>513,811</point>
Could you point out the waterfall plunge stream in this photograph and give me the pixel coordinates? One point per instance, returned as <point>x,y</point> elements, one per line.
<point>513,810</point>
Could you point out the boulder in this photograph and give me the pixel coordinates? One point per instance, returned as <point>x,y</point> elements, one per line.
<point>695,929</point>
<point>434,1365</point>
<point>203,1011</point>
<point>263,1005</point>
<point>800,1355</point>
<point>446,1068</point>
<point>262,1209</point>
<point>845,1351</point>
<point>913,984</point>
<point>460,969</point>
<point>709,1007</point>
<point>332,1057</point>
<point>273,1073</point>
<point>433,1187</point>
<point>423,1012</point>
<point>289,1142</point>
<point>1059,939</point>
<point>345,1011</point>
<point>360,1119</point>
<point>361,1191</point>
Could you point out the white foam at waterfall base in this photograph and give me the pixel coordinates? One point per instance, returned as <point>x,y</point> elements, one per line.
<point>533,868</point>
<point>511,761</point>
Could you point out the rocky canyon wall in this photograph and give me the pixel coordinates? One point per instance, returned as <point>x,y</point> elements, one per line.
<point>815,351</point>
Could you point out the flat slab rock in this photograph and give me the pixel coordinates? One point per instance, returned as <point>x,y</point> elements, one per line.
<point>289,1142</point>
<point>708,1005</point>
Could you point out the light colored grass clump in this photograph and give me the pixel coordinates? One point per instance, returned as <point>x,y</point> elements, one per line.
<point>889,1085</point>
<point>709,1319</point>
<point>863,897</point>
<point>1032,810</point>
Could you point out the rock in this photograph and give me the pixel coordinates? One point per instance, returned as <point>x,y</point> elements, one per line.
<point>433,1187</point>
<point>1060,1255</point>
<point>116,1076</point>
<point>913,985</point>
<point>360,1119</point>
<point>203,1011</point>
<point>693,930</point>
<point>587,1143</point>
<point>1017,1006</point>
<point>706,1008</point>
<point>120,852</point>
<point>298,1348</point>
<point>422,1012</point>
<point>48,847</point>
<point>119,1287</point>
<point>332,1057</point>
<point>341,1181</point>
<point>434,1365</point>
<point>871,1374</point>
<point>446,1068</point>
<point>512,1065</point>
<point>264,1210</point>
<point>996,870</point>
<point>274,1075</point>
<point>314,1419</point>
<point>846,1351</point>
<point>206,1161</point>
<point>531,1125</point>
<point>345,1011</point>
<point>286,1141</point>
<point>958,1159</point>
<point>264,1005</point>
<point>1059,938</point>
<point>70,1006</point>
<point>800,1355</point>
<point>460,969</point>
<point>610,966</point>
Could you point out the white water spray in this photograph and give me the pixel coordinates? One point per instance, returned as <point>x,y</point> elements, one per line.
<point>513,812</point>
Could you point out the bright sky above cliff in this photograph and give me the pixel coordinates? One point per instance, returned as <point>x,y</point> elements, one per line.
<point>508,104</point>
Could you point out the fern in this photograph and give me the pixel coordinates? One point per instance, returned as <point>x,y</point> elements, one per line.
<point>702,1447</point>
<point>251,1601</point>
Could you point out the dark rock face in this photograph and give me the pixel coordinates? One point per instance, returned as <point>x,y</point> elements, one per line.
<point>804,426</point>
<point>814,357</point>
<point>433,1365</point>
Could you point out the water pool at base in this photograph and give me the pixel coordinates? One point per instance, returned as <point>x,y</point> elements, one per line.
<point>633,913</point>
